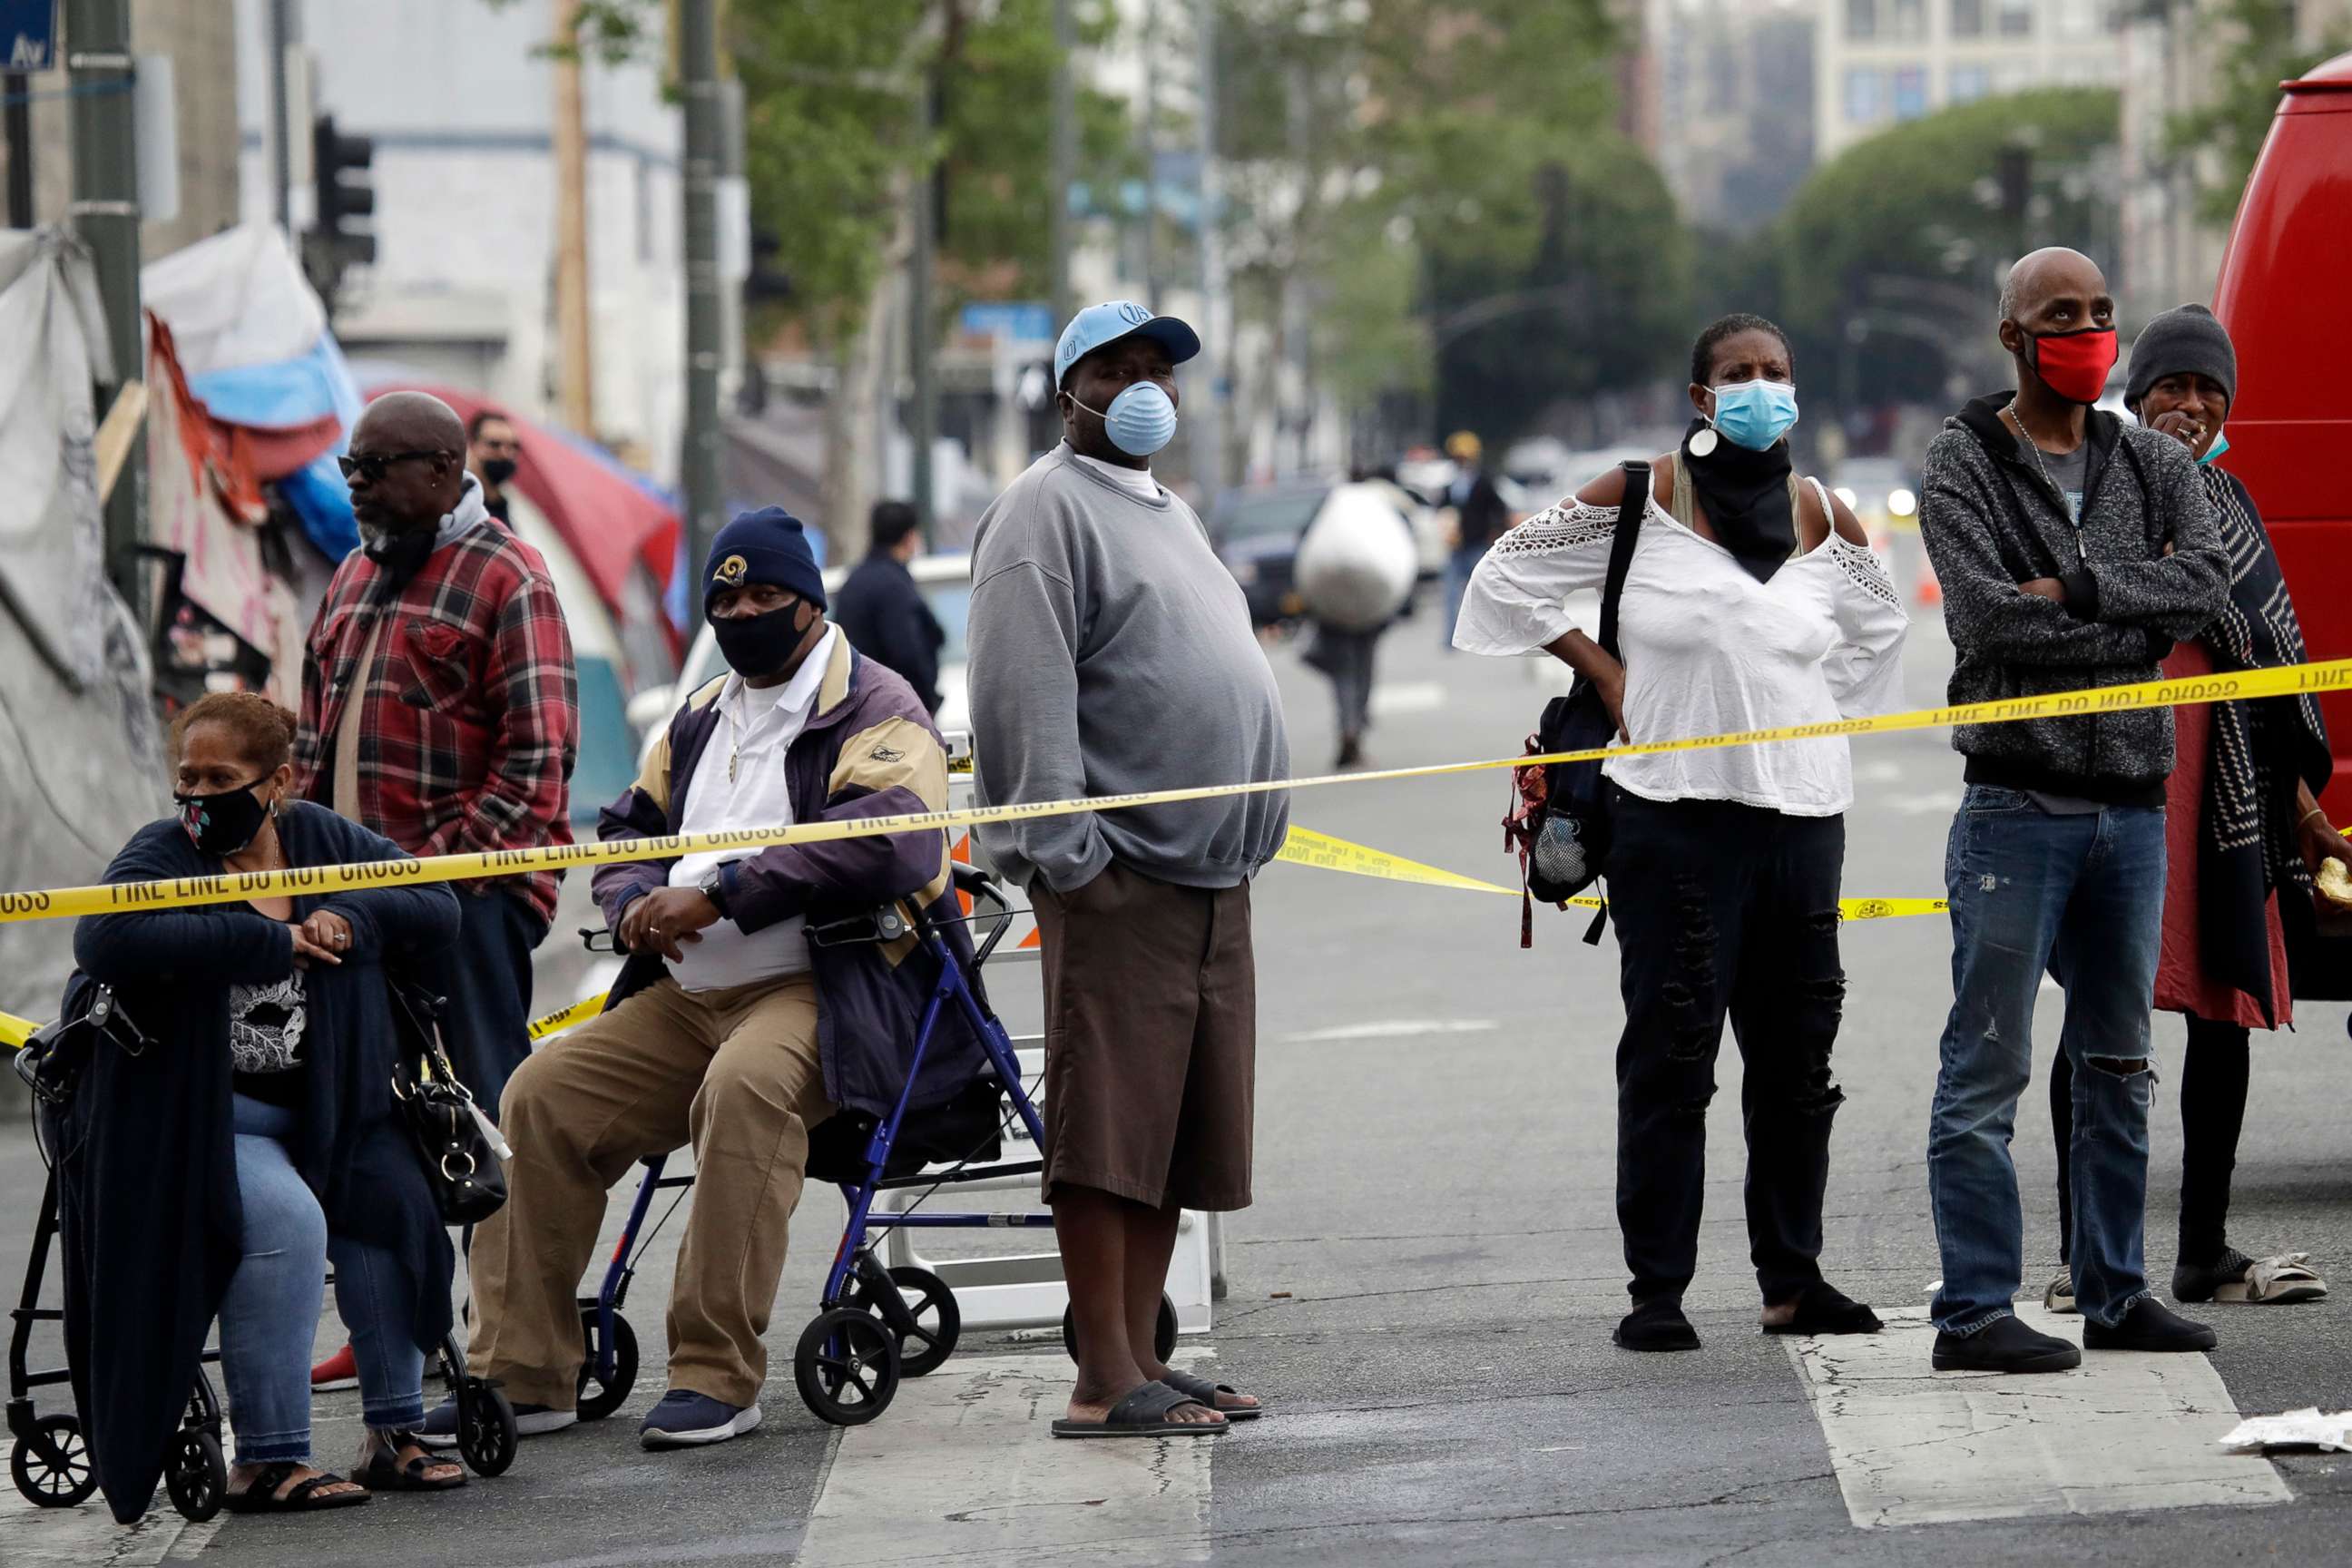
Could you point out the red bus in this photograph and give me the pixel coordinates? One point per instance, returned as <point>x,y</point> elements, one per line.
<point>2285,294</point>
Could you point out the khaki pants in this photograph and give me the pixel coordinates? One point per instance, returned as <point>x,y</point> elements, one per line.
<point>735,1072</point>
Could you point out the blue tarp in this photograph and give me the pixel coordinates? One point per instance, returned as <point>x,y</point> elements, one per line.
<point>296,392</point>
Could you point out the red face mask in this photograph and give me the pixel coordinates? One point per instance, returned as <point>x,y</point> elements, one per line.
<point>2074,365</point>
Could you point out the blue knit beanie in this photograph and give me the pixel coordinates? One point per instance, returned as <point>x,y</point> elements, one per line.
<point>764,546</point>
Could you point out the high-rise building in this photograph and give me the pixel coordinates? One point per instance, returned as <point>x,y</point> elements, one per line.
<point>1880,62</point>
<point>1734,97</point>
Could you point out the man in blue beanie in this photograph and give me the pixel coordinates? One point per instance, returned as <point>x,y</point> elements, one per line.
<point>727,1028</point>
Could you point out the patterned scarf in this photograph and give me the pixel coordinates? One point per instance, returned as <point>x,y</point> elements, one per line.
<point>2259,750</point>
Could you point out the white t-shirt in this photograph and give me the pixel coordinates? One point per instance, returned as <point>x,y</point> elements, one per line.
<point>1136,481</point>
<point>740,781</point>
<point>1708,649</point>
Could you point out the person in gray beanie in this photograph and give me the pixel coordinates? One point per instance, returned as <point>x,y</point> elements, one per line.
<point>2244,835</point>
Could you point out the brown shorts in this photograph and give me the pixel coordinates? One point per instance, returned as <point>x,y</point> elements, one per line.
<point>1150,1040</point>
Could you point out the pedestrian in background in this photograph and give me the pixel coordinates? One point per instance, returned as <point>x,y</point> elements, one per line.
<point>1118,655</point>
<point>1355,569</point>
<point>492,451</point>
<point>439,708</point>
<point>882,612</point>
<point>1751,601</point>
<point>2243,834</point>
<point>1481,516</point>
<point>2073,549</point>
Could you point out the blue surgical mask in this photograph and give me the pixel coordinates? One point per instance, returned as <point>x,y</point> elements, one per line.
<point>1139,421</point>
<point>2220,445</point>
<point>1755,414</point>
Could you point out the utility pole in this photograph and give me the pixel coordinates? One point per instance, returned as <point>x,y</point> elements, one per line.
<point>106,216</point>
<point>18,87</point>
<point>1061,165</point>
<point>281,144</point>
<point>1208,424</point>
<point>699,84</point>
<point>1150,155</point>
<point>575,371</point>
<point>921,361</point>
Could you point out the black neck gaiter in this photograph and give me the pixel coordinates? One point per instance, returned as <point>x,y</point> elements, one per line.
<point>1745,495</point>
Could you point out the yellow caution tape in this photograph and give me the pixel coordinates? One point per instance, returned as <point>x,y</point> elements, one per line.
<point>1305,846</point>
<point>182,892</point>
<point>578,1012</point>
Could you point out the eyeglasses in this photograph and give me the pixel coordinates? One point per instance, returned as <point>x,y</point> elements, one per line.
<point>374,464</point>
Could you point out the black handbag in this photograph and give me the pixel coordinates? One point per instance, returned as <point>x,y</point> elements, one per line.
<point>454,1141</point>
<point>1561,824</point>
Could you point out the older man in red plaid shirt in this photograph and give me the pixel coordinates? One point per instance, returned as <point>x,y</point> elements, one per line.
<point>438,707</point>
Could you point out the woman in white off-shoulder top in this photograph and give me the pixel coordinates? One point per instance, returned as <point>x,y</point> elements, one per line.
<point>1752,600</point>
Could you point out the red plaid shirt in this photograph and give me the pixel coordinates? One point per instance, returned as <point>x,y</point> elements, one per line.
<point>471,719</point>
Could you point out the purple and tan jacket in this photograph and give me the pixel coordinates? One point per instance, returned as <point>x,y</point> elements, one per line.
<point>869,750</point>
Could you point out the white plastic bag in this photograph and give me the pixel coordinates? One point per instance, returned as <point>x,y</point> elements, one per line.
<point>1356,562</point>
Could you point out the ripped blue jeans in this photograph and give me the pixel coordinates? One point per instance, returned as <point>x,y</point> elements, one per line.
<point>2081,898</point>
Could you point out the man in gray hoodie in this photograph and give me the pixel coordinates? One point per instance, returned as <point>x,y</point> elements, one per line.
<point>1112,653</point>
<point>2073,551</point>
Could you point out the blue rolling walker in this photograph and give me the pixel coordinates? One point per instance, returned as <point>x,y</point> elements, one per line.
<point>873,1325</point>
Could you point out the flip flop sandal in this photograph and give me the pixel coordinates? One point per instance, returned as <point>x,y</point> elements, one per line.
<point>1202,1392</point>
<point>262,1496</point>
<point>385,1473</point>
<point>1142,1413</point>
<point>2279,1282</point>
<point>1823,1309</point>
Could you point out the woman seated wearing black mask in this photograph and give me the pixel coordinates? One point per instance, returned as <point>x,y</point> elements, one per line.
<point>1753,601</point>
<point>252,1141</point>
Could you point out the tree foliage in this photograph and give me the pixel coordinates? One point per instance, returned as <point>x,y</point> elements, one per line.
<point>1898,236</point>
<point>2231,126</point>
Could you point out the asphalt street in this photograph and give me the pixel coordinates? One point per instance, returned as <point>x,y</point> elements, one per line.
<point>1424,1288</point>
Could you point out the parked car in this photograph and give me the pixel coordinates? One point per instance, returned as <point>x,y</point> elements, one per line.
<point>945,582</point>
<point>1256,533</point>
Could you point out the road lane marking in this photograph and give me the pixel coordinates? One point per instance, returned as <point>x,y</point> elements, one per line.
<point>1407,697</point>
<point>1391,1029</point>
<point>962,1470</point>
<point>2124,1432</point>
<point>88,1537</point>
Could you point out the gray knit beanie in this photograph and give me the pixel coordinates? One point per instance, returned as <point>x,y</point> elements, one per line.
<point>2184,341</point>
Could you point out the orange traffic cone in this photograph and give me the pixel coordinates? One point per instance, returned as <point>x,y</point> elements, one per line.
<point>1927,590</point>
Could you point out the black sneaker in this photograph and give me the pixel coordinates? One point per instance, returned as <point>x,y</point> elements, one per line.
<point>2005,1345</point>
<point>2150,1325</point>
<point>439,1427</point>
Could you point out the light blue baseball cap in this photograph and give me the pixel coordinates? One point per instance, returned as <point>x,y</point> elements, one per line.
<point>1096,325</point>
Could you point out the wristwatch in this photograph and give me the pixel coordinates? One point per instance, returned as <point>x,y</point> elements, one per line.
<point>714,888</point>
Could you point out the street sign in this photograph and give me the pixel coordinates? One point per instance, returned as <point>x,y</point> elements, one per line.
<point>1014,320</point>
<point>29,28</point>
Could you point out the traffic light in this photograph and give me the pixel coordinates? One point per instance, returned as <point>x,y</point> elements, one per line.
<point>767,280</point>
<point>341,177</point>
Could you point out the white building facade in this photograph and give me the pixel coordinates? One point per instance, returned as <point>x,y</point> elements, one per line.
<point>459,99</point>
<point>1880,62</point>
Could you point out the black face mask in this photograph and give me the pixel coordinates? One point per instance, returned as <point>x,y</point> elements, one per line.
<point>755,646</point>
<point>399,556</point>
<point>498,470</point>
<point>223,824</point>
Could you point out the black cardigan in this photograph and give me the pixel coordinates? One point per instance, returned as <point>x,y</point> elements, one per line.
<point>150,1223</point>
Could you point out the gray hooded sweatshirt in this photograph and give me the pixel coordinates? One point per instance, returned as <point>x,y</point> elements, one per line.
<point>1111,652</point>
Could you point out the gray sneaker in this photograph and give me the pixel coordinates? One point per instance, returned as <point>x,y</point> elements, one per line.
<point>439,1427</point>
<point>685,1419</point>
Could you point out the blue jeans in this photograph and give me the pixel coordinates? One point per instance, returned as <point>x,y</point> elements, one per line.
<point>2083,898</point>
<point>271,1309</point>
<point>1459,568</point>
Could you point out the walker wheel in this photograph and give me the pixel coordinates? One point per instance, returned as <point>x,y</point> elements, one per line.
<point>196,1475</point>
<point>61,1479</point>
<point>937,1322</point>
<point>486,1428</point>
<point>598,1398</point>
<point>846,1366</point>
<point>1163,1333</point>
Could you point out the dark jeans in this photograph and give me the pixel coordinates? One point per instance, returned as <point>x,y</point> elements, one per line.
<point>1725,909</point>
<point>485,977</point>
<point>2078,898</point>
<point>1347,658</point>
<point>2213,1081</point>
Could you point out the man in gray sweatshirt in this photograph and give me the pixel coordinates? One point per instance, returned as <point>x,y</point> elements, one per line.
<point>1112,653</point>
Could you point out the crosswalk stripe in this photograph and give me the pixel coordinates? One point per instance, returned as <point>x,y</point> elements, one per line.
<point>88,1537</point>
<point>2124,1432</point>
<point>961,1469</point>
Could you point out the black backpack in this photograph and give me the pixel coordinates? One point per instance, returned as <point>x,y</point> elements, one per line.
<point>1559,824</point>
